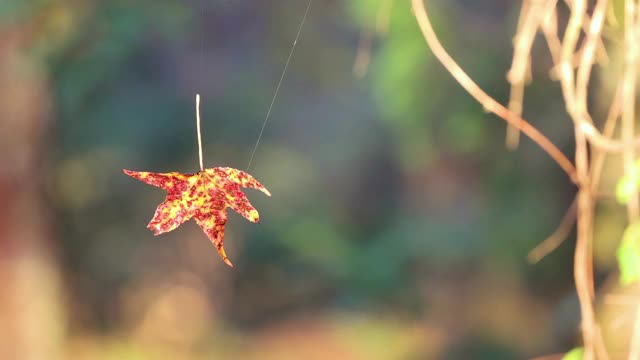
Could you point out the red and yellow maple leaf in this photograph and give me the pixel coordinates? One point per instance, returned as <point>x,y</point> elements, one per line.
<point>204,196</point>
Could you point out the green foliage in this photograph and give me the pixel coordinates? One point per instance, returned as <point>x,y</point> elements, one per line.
<point>363,11</point>
<point>575,354</point>
<point>629,255</point>
<point>628,185</point>
<point>625,188</point>
<point>628,252</point>
<point>401,84</point>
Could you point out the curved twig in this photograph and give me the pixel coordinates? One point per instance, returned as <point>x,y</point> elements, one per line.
<point>483,98</point>
<point>604,142</point>
<point>554,240</point>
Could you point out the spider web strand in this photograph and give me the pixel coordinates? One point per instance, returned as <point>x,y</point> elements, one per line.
<point>275,95</point>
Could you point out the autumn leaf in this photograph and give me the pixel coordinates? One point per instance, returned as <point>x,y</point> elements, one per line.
<point>203,196</point>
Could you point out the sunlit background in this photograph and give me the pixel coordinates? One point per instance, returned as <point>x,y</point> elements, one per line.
<point>398,227</point>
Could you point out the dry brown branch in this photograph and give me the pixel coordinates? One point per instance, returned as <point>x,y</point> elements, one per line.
<point>516,99</point>
<point>601,49</point>
<point>561,233</point>
<point>483,98</point>
<point>528,23</point>
<point>550,30</point>
<point>573,63</point>
<point>601,348</point>
<point>578,109</point>
<point>628,97</point>
<point>569,43</point>
<point>532,16</point>
<point>522,41</point>
<point>575,100</point>
<point>634,350</point>
<point>587,59</point>
<point>606,144</point>
<point>552,242</point>
<point>583,271</point>
<point>582,267</point>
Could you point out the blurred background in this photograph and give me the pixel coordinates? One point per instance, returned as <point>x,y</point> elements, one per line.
<point>398,227</point>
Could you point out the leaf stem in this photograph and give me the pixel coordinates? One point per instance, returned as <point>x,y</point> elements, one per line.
<point>199,133</point>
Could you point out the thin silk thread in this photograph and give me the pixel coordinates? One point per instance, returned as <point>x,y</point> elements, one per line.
<point>275,95</point>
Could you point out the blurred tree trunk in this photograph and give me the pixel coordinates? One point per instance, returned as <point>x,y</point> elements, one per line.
<point>31,322</point>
